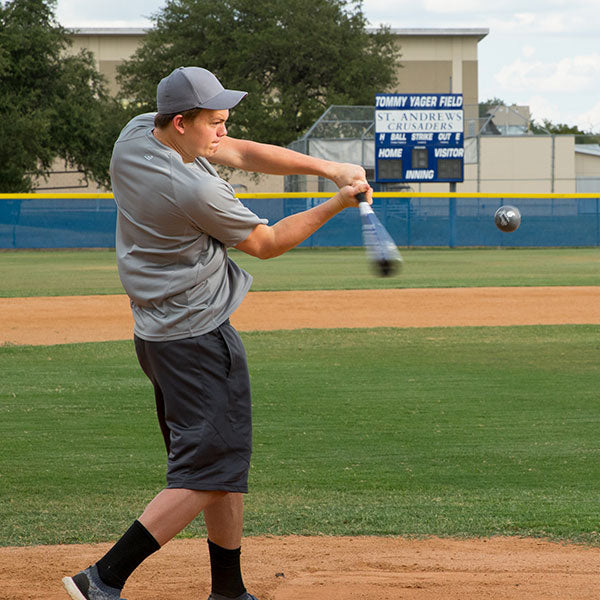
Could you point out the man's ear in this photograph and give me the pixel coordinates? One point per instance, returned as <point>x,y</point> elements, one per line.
<point>178,123</point>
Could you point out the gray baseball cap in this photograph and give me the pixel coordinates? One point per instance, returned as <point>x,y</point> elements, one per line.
<point>193,87</point>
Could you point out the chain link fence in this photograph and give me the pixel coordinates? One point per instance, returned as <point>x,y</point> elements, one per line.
<point>504,151</point>
<point>88,221</point>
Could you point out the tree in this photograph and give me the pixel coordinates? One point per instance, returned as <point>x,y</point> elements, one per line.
<point>52,105</point>
<point>545,126</point>
<point>488,105</point>
<point>294,57</point>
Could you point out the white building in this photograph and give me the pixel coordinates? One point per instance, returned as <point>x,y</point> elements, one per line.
<point>433,61</point>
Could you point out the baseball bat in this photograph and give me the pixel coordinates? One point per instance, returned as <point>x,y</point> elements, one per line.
<point>381,248</point>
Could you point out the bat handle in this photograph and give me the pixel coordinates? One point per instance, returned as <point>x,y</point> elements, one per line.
<point>361,197</point>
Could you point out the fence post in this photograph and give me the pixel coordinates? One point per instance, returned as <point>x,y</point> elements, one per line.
<point>408,223</point>
<point>452,220</point>
<point>478,138</point>
<point>553,166</point>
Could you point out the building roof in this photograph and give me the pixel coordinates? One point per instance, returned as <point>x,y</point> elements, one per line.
<point>108,30</point>
<point>479,33</point>
<point>593,149</point>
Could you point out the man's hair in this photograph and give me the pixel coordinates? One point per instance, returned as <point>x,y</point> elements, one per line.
<point>161,121</point>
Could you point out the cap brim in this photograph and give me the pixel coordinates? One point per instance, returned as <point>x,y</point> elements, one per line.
<point>224,100</point>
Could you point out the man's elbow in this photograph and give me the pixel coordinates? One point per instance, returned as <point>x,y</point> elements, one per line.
<point>265,251</point>
<point>260,244</point>
<point>272,253</point>
<point>255,252</point>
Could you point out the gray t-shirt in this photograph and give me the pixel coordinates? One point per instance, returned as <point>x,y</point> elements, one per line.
<point>175,221</point>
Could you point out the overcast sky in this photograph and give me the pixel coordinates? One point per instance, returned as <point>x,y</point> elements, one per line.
<point>542,53</point>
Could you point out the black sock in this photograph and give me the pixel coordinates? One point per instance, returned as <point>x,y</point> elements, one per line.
<point>126,555</point>
<point>225,571</point>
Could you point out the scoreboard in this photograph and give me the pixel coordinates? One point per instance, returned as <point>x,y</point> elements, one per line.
<point>419,138</point>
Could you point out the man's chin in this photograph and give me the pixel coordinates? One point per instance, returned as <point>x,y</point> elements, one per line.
<point>208,152</point>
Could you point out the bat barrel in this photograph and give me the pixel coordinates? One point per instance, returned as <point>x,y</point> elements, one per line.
<point>381,248</point>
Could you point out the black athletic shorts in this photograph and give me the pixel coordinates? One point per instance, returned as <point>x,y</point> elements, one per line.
<point>202,392</point>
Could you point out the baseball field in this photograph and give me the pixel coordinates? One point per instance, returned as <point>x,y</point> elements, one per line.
<point>430,436</point>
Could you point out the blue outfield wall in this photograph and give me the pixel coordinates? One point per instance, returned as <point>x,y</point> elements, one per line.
<point>451,220</point>
<point>40,221</point>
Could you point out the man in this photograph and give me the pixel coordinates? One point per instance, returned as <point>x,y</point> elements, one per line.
<point>176,219</point>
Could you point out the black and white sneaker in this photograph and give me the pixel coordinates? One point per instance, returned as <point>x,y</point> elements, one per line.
<point>87,585</point>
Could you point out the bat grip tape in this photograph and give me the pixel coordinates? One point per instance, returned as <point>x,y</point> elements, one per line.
<point>363,206</point>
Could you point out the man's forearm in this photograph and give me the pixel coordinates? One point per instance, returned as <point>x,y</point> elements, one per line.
<point>269,242</point>
<point>275,160</point>
<point>294,229</point>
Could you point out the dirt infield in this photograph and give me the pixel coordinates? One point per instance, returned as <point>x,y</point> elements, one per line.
<point>101,318</point>
<point>315,568</point>
<point>324,568</point>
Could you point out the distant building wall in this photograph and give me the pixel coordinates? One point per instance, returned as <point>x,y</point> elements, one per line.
<point>587,165</point>
<point>110,48</point>
<point>439,61</point>
<point>587,168</point>
<point>432,61</point>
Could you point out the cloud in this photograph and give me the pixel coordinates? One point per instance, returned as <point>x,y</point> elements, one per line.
<point>590,119</point>
<point>542,108</point>
<point>572,74</point>
<point>578,17</point>
<point>557,22</point>
<point>456,6</point>
<point>528,51</point>
<point>510,17</point>
<point>108,13</point>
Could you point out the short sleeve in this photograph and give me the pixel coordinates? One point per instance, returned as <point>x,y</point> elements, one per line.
<point>212,207</point>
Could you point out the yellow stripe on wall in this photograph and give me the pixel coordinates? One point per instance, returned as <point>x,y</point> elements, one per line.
<point>267,195</point>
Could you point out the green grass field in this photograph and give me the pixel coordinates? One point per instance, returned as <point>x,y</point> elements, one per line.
<point>444,431</point>
<point>58,273</point>
<point>447,431</point>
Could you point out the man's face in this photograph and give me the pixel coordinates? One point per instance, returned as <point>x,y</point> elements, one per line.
<point>203,134</point>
